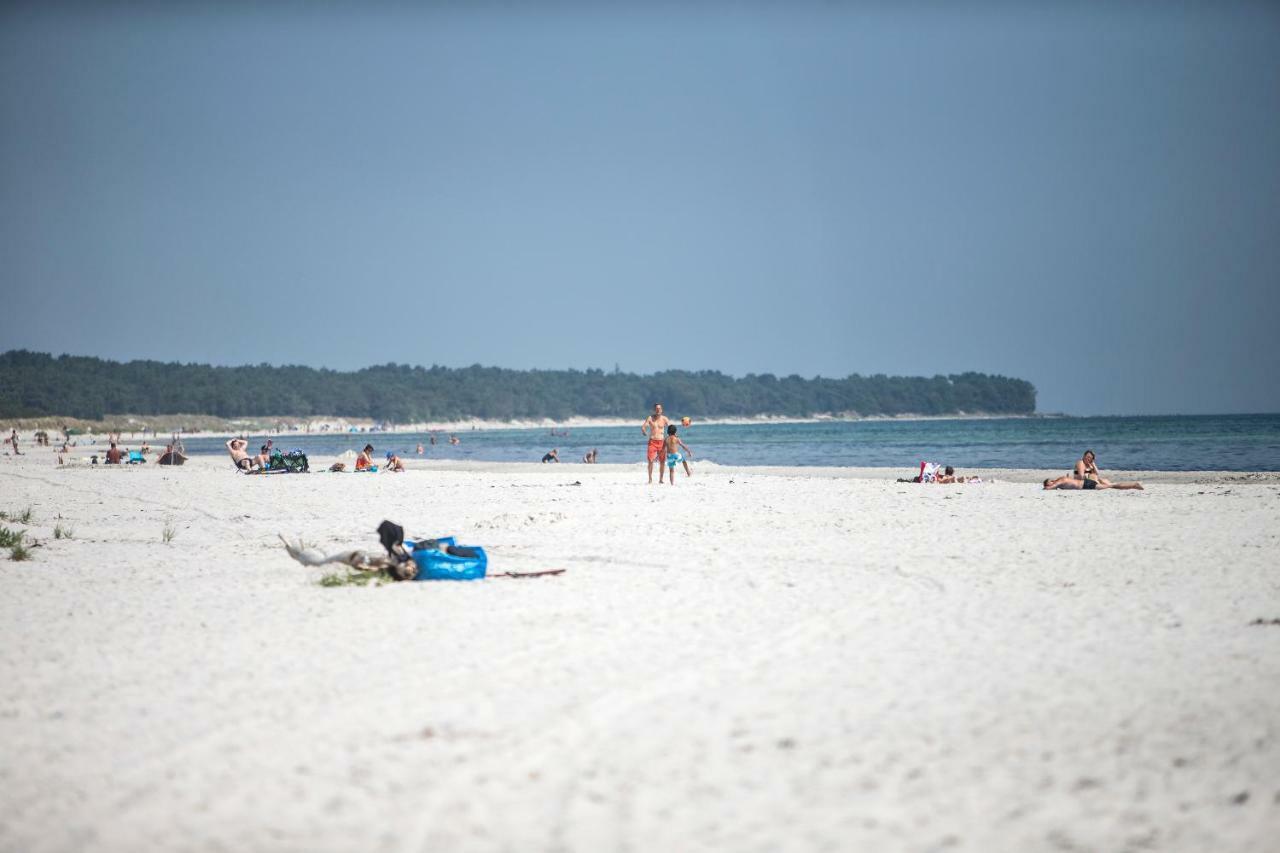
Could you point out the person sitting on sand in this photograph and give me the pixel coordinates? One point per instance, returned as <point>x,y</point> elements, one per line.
<point>673,448</point>
<point>237,447</point>
<point>113,455</point>
<point>1087,469</point>
<point>263,459</point>
<point>1068,482</point>
<point>365,460</point>
<point>393,462</point>
<point>553,456</point>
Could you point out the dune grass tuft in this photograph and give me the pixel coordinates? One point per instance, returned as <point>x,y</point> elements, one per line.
<point>61,532</point>
<point>19,552</point>
<point>9,538</point>
<point>350,578</point>
<point>166,535</point>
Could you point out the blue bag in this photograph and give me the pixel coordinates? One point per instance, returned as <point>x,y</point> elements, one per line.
<point>436,565</point>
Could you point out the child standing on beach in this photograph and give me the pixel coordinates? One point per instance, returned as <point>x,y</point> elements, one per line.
<point>674,446</point>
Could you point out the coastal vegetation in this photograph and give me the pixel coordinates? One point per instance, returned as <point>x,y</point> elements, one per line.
<point>41,385</point>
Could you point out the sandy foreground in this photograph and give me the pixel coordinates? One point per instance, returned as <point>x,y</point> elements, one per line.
<point>751,660</point>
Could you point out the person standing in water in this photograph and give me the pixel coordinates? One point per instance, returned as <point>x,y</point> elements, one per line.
<point>655,428</point>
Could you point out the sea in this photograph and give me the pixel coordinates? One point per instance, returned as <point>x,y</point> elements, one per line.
<point>1160,443</point>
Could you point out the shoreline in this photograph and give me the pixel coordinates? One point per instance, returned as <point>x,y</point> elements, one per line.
<point>335,425</point>
<point>576,470</point>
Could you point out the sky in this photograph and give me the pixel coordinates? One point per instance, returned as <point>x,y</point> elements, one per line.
<point>1083,195</point>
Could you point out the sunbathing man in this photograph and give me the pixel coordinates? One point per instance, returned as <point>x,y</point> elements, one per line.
<point>239,454</point>
<point>1069,483</point>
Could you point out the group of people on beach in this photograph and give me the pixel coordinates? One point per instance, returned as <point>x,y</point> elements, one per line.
<point>665,446</point>
<point>1085,476</point>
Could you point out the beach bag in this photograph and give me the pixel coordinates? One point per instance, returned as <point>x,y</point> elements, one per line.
<point>293,462</point>
<point>929,472</point>
<point>436,564</point>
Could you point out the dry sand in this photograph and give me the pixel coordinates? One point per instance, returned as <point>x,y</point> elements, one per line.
<point>752,660</point>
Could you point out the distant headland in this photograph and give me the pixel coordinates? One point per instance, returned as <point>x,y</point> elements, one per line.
<point>39,385</point>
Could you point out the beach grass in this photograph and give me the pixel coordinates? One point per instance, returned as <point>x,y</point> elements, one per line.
<point>169,531</point>
<point>19,552</point>
<point>350,578</point>
<point>10,538</point>
<point>61,532</point>
<point>23,517</point>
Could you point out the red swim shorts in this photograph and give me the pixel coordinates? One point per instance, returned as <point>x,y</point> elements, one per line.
<point>656,450</point>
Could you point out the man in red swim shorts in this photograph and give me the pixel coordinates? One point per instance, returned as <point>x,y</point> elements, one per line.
<point>655,427</point>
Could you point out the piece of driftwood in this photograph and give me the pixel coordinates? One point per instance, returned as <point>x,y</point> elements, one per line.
<point>361,561</point>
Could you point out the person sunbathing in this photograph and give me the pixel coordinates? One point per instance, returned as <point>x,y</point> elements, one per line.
<point>1087,469</point>
<point>1068,482</point>
<point>239,455</point>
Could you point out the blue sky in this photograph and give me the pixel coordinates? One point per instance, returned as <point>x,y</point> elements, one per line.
<point>1085,195</point>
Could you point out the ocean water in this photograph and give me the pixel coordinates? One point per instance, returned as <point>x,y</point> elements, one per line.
<point>1170,443</point>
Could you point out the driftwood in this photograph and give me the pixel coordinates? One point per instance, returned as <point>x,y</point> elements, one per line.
<point>361,561</point>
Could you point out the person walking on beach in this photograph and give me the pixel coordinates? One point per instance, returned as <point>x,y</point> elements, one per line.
<point>655,428</point>
<point>673,447</point>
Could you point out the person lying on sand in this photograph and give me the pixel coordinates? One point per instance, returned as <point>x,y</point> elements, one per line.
<point>946,477</point>
<point>1070,483</point>
<point>239,454</point>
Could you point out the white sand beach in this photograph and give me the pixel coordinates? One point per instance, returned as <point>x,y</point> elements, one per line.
<point>753,660</point>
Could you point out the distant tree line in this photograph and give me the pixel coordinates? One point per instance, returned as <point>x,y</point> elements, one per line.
<point>38,384</point>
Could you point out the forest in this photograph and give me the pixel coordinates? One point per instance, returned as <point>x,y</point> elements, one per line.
<point>36,384</point>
